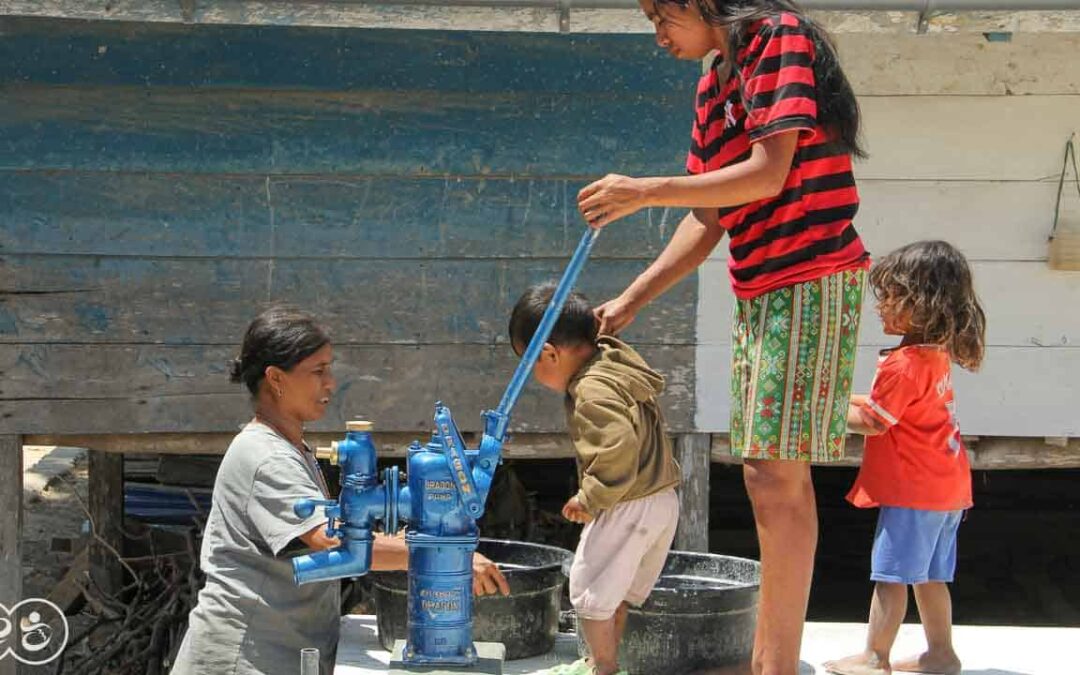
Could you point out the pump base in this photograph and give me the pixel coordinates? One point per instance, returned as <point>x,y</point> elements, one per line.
<point>489,661</point>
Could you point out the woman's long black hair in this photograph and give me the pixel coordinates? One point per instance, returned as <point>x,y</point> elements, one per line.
<point>838,111</point>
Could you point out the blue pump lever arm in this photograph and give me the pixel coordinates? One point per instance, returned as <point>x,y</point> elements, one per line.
<point>543,330</point>
<point>468,476</point>
<point>496,421</point>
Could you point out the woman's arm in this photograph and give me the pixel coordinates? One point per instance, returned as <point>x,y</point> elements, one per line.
<point>760,176</point>
<point>696,237</point>
<point>391,553</point>
<point>316,539</point>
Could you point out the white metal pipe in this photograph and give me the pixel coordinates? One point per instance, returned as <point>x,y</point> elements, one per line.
<point>835,5</point>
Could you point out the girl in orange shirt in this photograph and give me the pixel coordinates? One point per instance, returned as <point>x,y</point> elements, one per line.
<point>915,467</point>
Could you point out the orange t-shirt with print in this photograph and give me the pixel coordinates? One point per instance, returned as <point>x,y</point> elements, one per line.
<point>920,461</point>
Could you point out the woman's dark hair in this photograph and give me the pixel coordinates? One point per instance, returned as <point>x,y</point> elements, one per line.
<point>576,324</point>
<point>932,280</point>
<point>838,110</point>
<point>281,337</point>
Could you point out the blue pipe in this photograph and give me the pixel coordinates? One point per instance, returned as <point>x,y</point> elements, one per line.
<point>362,503</point>
<point>351,559</point>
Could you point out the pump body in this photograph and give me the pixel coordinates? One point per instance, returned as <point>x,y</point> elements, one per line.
<point>447,488</point>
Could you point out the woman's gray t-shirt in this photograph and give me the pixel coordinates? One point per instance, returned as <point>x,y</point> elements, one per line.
<point>251,616</point>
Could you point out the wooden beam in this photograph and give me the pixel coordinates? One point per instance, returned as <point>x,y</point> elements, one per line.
<point>692,452</point>
<point>985,453</point>
<point>524,446</point>
<point>106,475</point>
<point>11,490</point>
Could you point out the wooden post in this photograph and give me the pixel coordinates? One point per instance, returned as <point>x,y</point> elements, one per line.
<point>107,512</point>
<point>693,454</point>
<point>11,489</point>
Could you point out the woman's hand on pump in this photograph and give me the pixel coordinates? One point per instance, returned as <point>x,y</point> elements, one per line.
<point>316,539</point>
<point>488,579</point>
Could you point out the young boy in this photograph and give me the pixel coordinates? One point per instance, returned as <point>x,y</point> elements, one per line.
<point>626,470</point>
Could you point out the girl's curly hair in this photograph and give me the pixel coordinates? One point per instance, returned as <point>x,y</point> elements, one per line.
<point>932,281</point>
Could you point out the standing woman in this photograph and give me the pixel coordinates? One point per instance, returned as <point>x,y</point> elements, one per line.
<point>251,617</point>
<point>776,125</point>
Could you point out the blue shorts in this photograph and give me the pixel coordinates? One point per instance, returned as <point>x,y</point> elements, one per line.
<point>914,547</point>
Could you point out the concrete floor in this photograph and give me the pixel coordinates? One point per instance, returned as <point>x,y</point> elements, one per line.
<point>985,650</point>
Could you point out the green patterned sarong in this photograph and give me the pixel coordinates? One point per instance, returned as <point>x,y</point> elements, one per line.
<point>793,355</point>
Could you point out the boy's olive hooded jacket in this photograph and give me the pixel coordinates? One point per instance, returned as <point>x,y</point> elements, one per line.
<point>617,427</point>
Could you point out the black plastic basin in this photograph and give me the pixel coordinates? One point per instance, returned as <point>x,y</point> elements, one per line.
<point>702,614</point>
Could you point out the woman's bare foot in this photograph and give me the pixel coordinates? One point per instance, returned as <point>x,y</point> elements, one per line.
<point>860,664</point>
<point>930,664</point>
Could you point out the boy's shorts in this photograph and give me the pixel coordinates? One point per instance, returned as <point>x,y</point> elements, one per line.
<point>622,553</point>
<point>912,546</point>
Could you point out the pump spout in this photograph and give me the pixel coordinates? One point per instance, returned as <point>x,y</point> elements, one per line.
<point>351,559</point>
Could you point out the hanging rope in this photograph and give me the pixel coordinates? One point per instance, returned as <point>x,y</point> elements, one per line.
<point>1070,153</point>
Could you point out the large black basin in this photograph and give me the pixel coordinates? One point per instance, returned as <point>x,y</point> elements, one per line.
<point>702,614</point>
<point>526,621</point>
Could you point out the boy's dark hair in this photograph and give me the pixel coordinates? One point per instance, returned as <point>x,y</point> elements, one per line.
<point>279,337</point>
<point>576,325</point>
<point>838,110</point>
<point>932,280</point>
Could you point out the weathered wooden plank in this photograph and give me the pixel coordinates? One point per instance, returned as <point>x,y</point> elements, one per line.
<point>1006,290</point>
<point>98,389</point>
<point>211,301</point>
<point>185,130</point>
<point>48,51</point>
<point>173,129</point>
<point>1010,453</point>
<point>388,217</point>
<point>312,216</point>
<point>171,55</point>
<point>1020,391</point>
<point>451,217</point>
<point>11,526</point>
<point>81,53</point>
<point>965,64</point>
<point>985,454</point>
<point>966,138</point>
<point>987,220</point>
<point>288,12</point>
<point>693,454</point>
<point>106,506</point>
<point>134,214</point>
<point>67,594</point>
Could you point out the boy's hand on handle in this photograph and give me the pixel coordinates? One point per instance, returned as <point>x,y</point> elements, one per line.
<point>575,512</point>
<point>611,198</point>
<point>614,315</point>
<point>488,579</point>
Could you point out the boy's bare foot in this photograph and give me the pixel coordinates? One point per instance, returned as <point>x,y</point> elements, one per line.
<point>859,664</point>
<point>930,664</point>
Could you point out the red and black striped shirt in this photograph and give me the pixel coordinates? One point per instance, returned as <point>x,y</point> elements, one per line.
<point>805,232</point>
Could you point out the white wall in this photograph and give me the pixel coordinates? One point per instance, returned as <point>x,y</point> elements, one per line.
<point>954,157</point>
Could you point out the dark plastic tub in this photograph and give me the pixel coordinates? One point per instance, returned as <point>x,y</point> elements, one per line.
<point>702,614</point>
<point>526,621</point>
